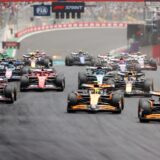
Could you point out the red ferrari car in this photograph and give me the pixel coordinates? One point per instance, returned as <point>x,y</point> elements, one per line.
<point>43,79</point>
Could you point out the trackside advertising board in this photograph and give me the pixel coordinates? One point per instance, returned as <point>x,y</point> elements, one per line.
<point>41,10</point>
<point>68,7</point>
<point>10,44</point>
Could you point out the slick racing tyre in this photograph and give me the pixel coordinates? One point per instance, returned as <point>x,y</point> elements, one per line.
<point>50,61</point>
<point>24,83</point>
<point>60,82</point>
<point>82,78</point>
<point>137,68</point>
<point>72,100</point>
<point>117,101</point>
<point>148,85</point>
<point>144,108</point>
<point>153,63</point>
<point>46,63</point>
<point>27,62</point>
<point>93,61</point>
<point>26,70</point>
<point>110,82</point>
<point>9,92</point>
<point>68,61</point>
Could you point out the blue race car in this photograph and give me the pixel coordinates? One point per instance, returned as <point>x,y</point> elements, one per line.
<point>79,58</point>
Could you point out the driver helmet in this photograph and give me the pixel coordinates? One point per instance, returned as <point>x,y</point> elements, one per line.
<point>139,53</point>
<point>37,51</point>
<point>43,53</point>
<point>32,55</point>
<point>122,60</point>
<point>130,74</point>
<point>81,52</point>
<point>10,63</point>
<point>42,71</point>
<point>99,70</point>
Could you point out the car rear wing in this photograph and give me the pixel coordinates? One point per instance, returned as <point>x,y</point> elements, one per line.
<point>155,93</point>
<point>26,56</point>
<point>103,56</point>
<point>95,68</point>
<point>100,86</point>
<point>123,74</point>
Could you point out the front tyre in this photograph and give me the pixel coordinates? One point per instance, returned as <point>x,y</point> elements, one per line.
<point>72,100</point>
<point>9,93</point>
<point>24,83</point>
<point>118,103</point>
<point>144,108</point>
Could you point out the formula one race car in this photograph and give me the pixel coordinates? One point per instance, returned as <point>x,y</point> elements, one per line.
<point>124,66</point>
<point>110,57</point>
<point>8,93</point>
<point>131,60</point>
<point>95,100</point>
<point>37,58</point>
<point>133,83</point>
<point>144,62</point>
<point>11,69</point>
<point>94,75</point>
<point>149,110</point>
<point>42,79</point>
<point>80,58</point>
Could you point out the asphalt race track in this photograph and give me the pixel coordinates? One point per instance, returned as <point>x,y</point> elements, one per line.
<point>37,126</point>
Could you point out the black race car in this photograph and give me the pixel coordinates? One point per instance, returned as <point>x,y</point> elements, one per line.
<point>8,93</point>
<point>80,58</point>
<point>37,58</point>
<point>133,83</point>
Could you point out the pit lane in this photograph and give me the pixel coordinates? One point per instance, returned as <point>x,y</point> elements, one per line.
<point>37,126</point>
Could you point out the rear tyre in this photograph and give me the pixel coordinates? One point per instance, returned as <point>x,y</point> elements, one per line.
<point>24,83</point>
<point>46,63</point>
<point>60,81</point>
<point>26,70</point>
<point>82,78</point>
<point>27,62</point>
<point>153,63</point>
<point>148,85</point>
<point>93,61</point>
<point>138,68</point>
<point>50,61</point>
<point>110,82</point>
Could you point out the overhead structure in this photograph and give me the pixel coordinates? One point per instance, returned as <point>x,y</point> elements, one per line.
<point>68,9</point>
<point>79,1</point>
